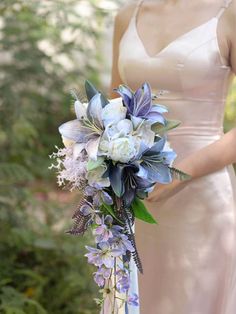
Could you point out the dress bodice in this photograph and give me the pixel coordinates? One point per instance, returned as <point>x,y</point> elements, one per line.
<point>190,69</point>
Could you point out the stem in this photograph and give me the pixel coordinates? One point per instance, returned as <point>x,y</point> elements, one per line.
<point>113,311</point>
<point>118,203</point>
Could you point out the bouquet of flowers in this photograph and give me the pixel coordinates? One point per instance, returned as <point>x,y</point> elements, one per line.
<point>115,151</point>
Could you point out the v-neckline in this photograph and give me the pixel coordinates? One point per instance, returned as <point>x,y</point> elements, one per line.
<point>173,41</point>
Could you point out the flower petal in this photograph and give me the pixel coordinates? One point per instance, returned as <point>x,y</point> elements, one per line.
<point>92,148</point>
<point>80,109</point>
<point>74,130</point>
<point>77,149</point>
<point>94,110</point>
<point>143,100</point>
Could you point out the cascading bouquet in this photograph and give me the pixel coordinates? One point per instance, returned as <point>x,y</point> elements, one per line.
<point>115,151</point>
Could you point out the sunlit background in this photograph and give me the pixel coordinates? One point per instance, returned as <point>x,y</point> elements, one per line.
<point>47,48</point>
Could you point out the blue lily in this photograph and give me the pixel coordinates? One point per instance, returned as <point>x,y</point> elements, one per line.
<point>155,162</point>
<point>127,181</point>
<point>139,103</point>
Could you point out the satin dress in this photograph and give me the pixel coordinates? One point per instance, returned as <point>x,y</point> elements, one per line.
<point>189,258</point>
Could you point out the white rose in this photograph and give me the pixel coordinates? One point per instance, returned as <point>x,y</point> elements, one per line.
<point>122,149</point>
<point>113,112</point>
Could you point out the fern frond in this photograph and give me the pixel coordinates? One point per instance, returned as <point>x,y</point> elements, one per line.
<point>12,173</point>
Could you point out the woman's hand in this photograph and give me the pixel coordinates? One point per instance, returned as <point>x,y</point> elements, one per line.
<point>164,191</point>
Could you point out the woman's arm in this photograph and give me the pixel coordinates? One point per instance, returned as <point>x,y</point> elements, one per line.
<point>207,160</point>
<point>122,19</point>
<point>212,157</point>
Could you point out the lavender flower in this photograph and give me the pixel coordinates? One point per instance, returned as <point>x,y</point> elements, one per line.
<point>101,275</point>
<point>103,255</point>
<point>98,195</point>
<point>103,232</point>
<point>106,230</point>
<point>133,299</point>
<point>123,280</point>
<point>121,242</point>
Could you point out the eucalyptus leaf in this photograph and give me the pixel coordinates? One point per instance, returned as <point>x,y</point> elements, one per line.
<point>93,164</point>
<point>90,89</point>
<point>159,128</point>
<point>140,211</point>
<point>104,100</point>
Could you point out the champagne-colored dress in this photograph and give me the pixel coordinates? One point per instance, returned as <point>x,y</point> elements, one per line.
<point>189,258</point>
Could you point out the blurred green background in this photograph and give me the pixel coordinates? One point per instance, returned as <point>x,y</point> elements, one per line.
<point>46,48</point>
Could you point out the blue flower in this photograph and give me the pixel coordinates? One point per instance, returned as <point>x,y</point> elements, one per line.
<point>126,181</point>
<point>98,195</point>
<point>122,243</point>
<point>103,231</point>
<point>133,299</point>
<point>123,280</point>
<point>103,255</point>
<point>139,104</point>
<point>155,162</point>
<point>101,275</point>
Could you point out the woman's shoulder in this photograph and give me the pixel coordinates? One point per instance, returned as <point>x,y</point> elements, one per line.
<point>124,15</point>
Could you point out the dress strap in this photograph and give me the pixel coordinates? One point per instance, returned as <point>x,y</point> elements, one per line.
<point>223,7</point>
<point>137,8</point>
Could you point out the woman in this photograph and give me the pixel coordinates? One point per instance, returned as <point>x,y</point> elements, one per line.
<point>187,48</point>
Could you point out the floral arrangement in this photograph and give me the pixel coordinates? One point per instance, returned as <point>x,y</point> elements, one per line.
<point>115,151</point>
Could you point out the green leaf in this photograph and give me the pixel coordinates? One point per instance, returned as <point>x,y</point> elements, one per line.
<point>141,212</point>
<point>93,164</point>
<point>159,128</point>
<point>111,211</point>
<point>90,89</point>
<point>104,100</point>
<point>178,174</point>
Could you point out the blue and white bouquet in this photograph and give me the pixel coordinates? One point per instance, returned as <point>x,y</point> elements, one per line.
<point>115,151</point>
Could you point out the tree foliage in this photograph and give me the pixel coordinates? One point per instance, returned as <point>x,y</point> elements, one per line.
<point>46,48</point>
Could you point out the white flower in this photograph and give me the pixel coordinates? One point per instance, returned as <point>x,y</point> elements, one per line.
<point>144,134</point>
<point>118,142</point>
<point>122,149</point>
<point>113,112</point>
<point>125,127</point>
<point>80,109</point>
